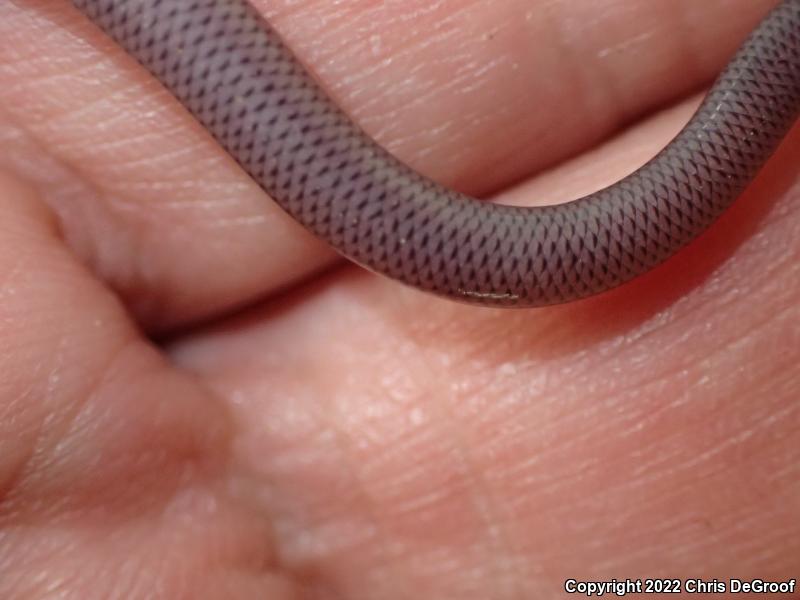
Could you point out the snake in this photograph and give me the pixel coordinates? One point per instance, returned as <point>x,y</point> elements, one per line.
<point>233,72</point>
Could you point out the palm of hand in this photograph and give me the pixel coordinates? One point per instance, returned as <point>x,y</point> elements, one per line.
<point>351,438</point>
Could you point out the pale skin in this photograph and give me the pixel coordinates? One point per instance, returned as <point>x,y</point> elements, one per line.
<point>198,400</point>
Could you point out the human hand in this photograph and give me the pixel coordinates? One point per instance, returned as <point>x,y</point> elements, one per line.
<point>347,437</point>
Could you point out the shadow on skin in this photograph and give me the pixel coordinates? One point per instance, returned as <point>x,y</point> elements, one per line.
<point>570,328</point>
<point>557,331</point>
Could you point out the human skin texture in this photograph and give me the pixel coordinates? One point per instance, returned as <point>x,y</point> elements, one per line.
<point>231,69</point>
<point>324,444</point>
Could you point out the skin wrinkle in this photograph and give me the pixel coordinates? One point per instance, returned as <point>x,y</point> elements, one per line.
<point>423,91</point>
<point>727,445</point>
<point>51,445</point>
<point>582,79</point>
<point>297,557</point>
<point>344,442</point>
<point>34,441</point>
<point>692,57</point>
<point>499,528</point>
<point>642,388</point>
<point>651,536</point>
<point>749,493</point>
<point>61,184</point>
<point>44,441</point>
<point>723,347</point>
<point>405,451</point>
<point>487,508</point>
<point>683,50</point>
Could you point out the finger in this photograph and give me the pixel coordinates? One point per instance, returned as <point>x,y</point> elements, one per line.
<point>475,94</point>
<point>506,444</point>
<point>113,467</point>
<point>480,94</point>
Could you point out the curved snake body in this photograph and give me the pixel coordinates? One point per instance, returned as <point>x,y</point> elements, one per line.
<point>233,72</point>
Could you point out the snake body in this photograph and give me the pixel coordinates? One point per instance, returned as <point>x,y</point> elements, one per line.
<point>230,69</point>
